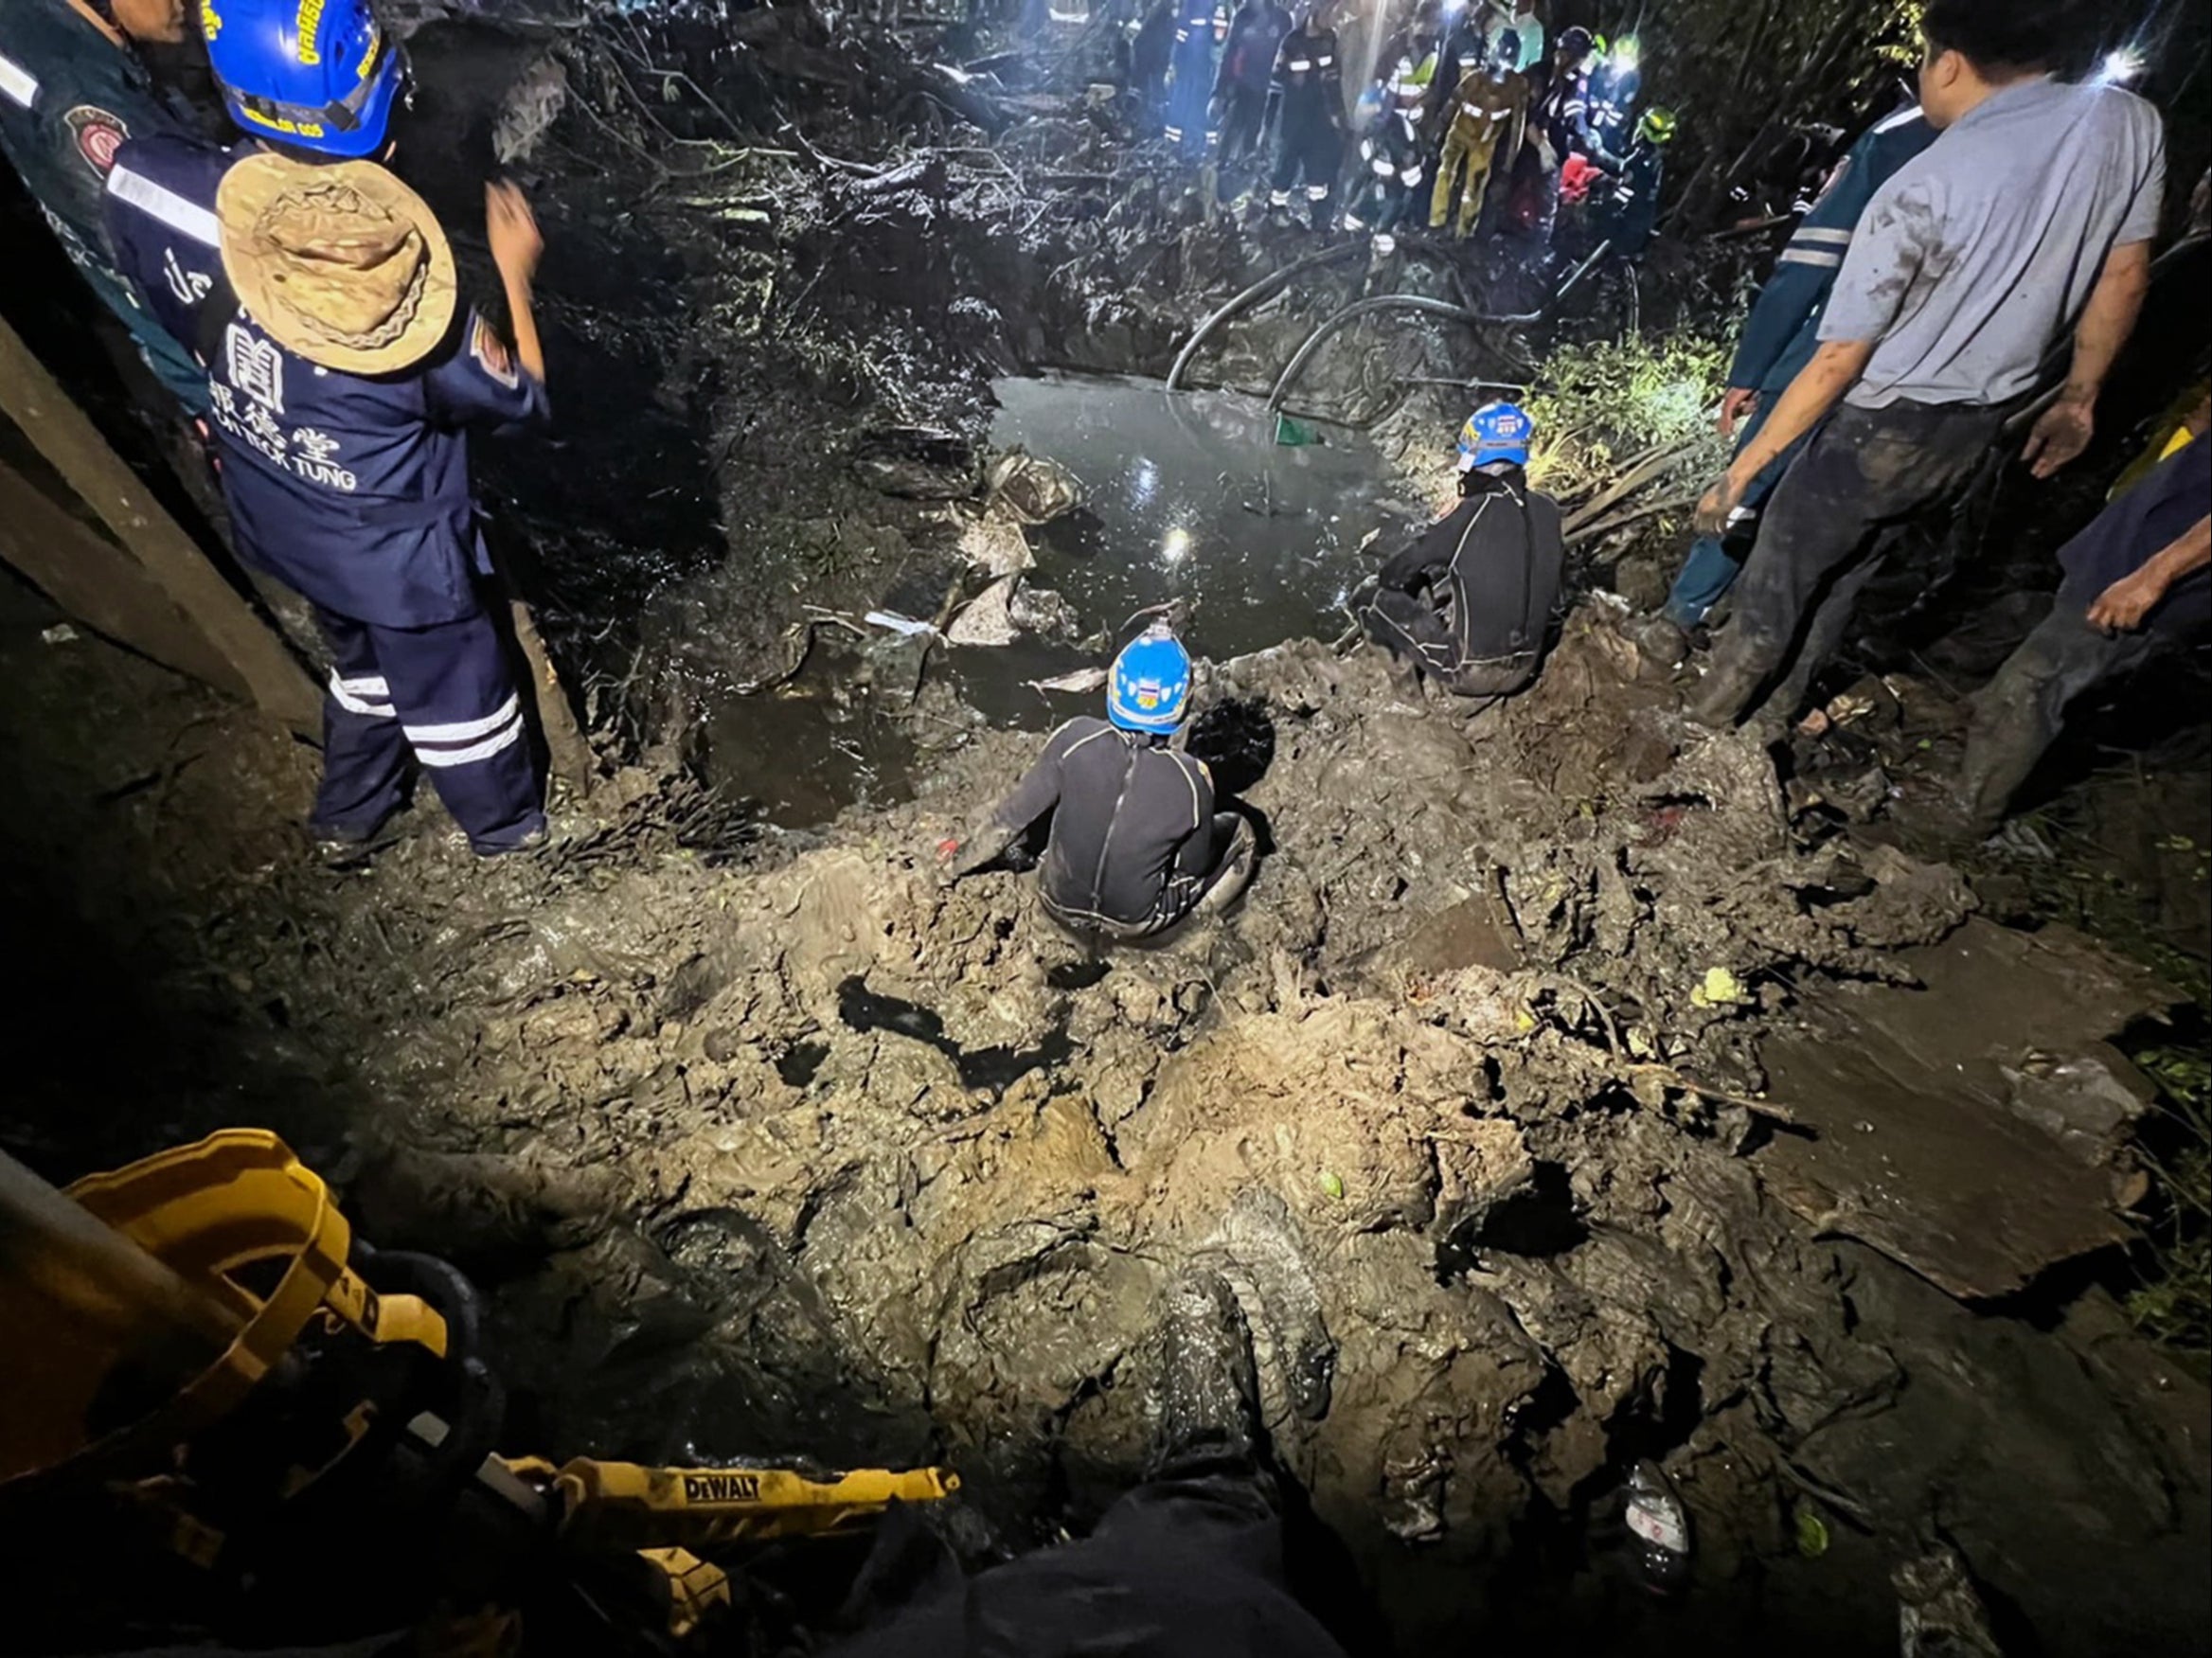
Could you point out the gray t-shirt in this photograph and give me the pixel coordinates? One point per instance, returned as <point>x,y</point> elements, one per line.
<point>1979,254</point>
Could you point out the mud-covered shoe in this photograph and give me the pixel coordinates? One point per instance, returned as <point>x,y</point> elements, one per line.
<point>529,841</point>
<point>1726,692</point>
<point>350,848</point>
<point>1659,640</point>
<point>1208,1395</point>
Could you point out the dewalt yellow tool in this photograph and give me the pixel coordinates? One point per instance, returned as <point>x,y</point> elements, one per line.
<point>207,1369</point>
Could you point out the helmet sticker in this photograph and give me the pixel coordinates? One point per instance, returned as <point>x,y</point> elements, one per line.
<point>310,14</point>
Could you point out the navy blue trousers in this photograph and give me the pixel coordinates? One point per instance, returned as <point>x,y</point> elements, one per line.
<point>439,697</point>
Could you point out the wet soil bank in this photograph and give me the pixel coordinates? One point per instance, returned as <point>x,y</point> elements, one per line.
<point>797,1151</point>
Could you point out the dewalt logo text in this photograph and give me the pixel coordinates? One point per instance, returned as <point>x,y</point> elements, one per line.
<point>722,1488</point>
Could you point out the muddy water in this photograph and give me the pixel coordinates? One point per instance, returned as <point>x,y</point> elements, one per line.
<point>1189,500</point>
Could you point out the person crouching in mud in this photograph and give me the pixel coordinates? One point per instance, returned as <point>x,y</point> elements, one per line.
<point>1135,842</point>
<point>1470,601</point>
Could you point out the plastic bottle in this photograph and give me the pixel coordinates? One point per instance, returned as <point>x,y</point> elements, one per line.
<point>1658,1530</point>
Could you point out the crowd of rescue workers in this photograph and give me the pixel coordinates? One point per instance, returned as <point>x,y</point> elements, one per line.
<point>299,300</point>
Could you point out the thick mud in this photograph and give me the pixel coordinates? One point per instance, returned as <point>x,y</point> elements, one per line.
<point>806,1153</point>
<point>765,1143</point>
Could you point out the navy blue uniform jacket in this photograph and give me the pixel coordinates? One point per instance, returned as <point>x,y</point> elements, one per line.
<point>352,489</point>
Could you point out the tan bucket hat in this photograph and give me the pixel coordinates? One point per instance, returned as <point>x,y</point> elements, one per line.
<point>341,263</point>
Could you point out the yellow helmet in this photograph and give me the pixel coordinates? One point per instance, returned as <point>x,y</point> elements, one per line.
<point>1658,125</point>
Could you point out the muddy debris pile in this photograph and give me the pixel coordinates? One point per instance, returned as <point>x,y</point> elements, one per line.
<point>810,1150</point>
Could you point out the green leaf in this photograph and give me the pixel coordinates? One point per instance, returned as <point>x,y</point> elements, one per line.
<point>1811,1534</point>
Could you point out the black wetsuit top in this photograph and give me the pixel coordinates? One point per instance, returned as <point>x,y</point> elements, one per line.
<point>1471,598</point>
<point>1133,825</point>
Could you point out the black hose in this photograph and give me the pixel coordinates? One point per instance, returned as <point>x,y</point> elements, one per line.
<point>1250,296</point>
<point>1359,308</point>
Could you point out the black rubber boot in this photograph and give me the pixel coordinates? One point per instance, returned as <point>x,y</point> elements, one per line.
<point>1208,1394</point>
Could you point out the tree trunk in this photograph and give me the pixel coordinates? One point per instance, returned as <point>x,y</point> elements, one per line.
<point>73,446</point>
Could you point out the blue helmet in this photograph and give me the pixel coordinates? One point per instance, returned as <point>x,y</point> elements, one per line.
<point>1150,686</point>
<point>1495,432</point>
<point>315,74</point>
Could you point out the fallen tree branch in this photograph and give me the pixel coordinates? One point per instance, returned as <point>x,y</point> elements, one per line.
<point>1656,463</point>
<point>1590,532</point>
<point>1765,1108</point>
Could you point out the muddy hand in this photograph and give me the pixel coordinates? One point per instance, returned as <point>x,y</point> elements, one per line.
<point>511,229</point>
<point>2121,607</point>
<point>2061,433</point>
<point>1736,404</point>
<point>1717,502</point>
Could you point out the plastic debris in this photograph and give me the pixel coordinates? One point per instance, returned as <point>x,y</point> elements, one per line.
<point>1034,490</point>
<point>1332,1184</point>
<point>898,624</point>
<point>60,634</point>
<point>1074,682</point>
<point>1659,1527</point>
<point>1291,434</point>
<point>1939,1614</point>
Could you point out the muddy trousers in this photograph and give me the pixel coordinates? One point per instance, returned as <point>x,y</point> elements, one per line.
<point>1466,162</point>
<point>1714,560</point>
<point>1217,874</point>
<point>1384,198</point>
<point>1312,151</point>
<point>1243,114</point>
<point>1189,127</point>
<point>2018,715</point>
<point>1867,473</point>
<point>1411,628</point>
<point>1178,1566</point>
<point>440,697</point>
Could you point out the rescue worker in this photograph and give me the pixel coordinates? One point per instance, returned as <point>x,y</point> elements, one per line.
<point>1150,51</point>
<point>1255,34</point>
<point>1628,209</point>
<point>1392,157</point>
<point>1134,844</point>
<point>1583,153</point>
<point>1779,337</point>
<point>1309,144</point>
<point>1466,50</point>
<point>1521,22</point>
<point>1191,81</point>
<point>2035,211</point>
<point>1551,136</point>
<point>319,292</point>
<point>1610,89</point>
<point>1488,112</point>
<point>73,87</point>
<point>1388,183</point>
<point>1406,70</point>
<point>1470,601</point>
<point>2136,584</point>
